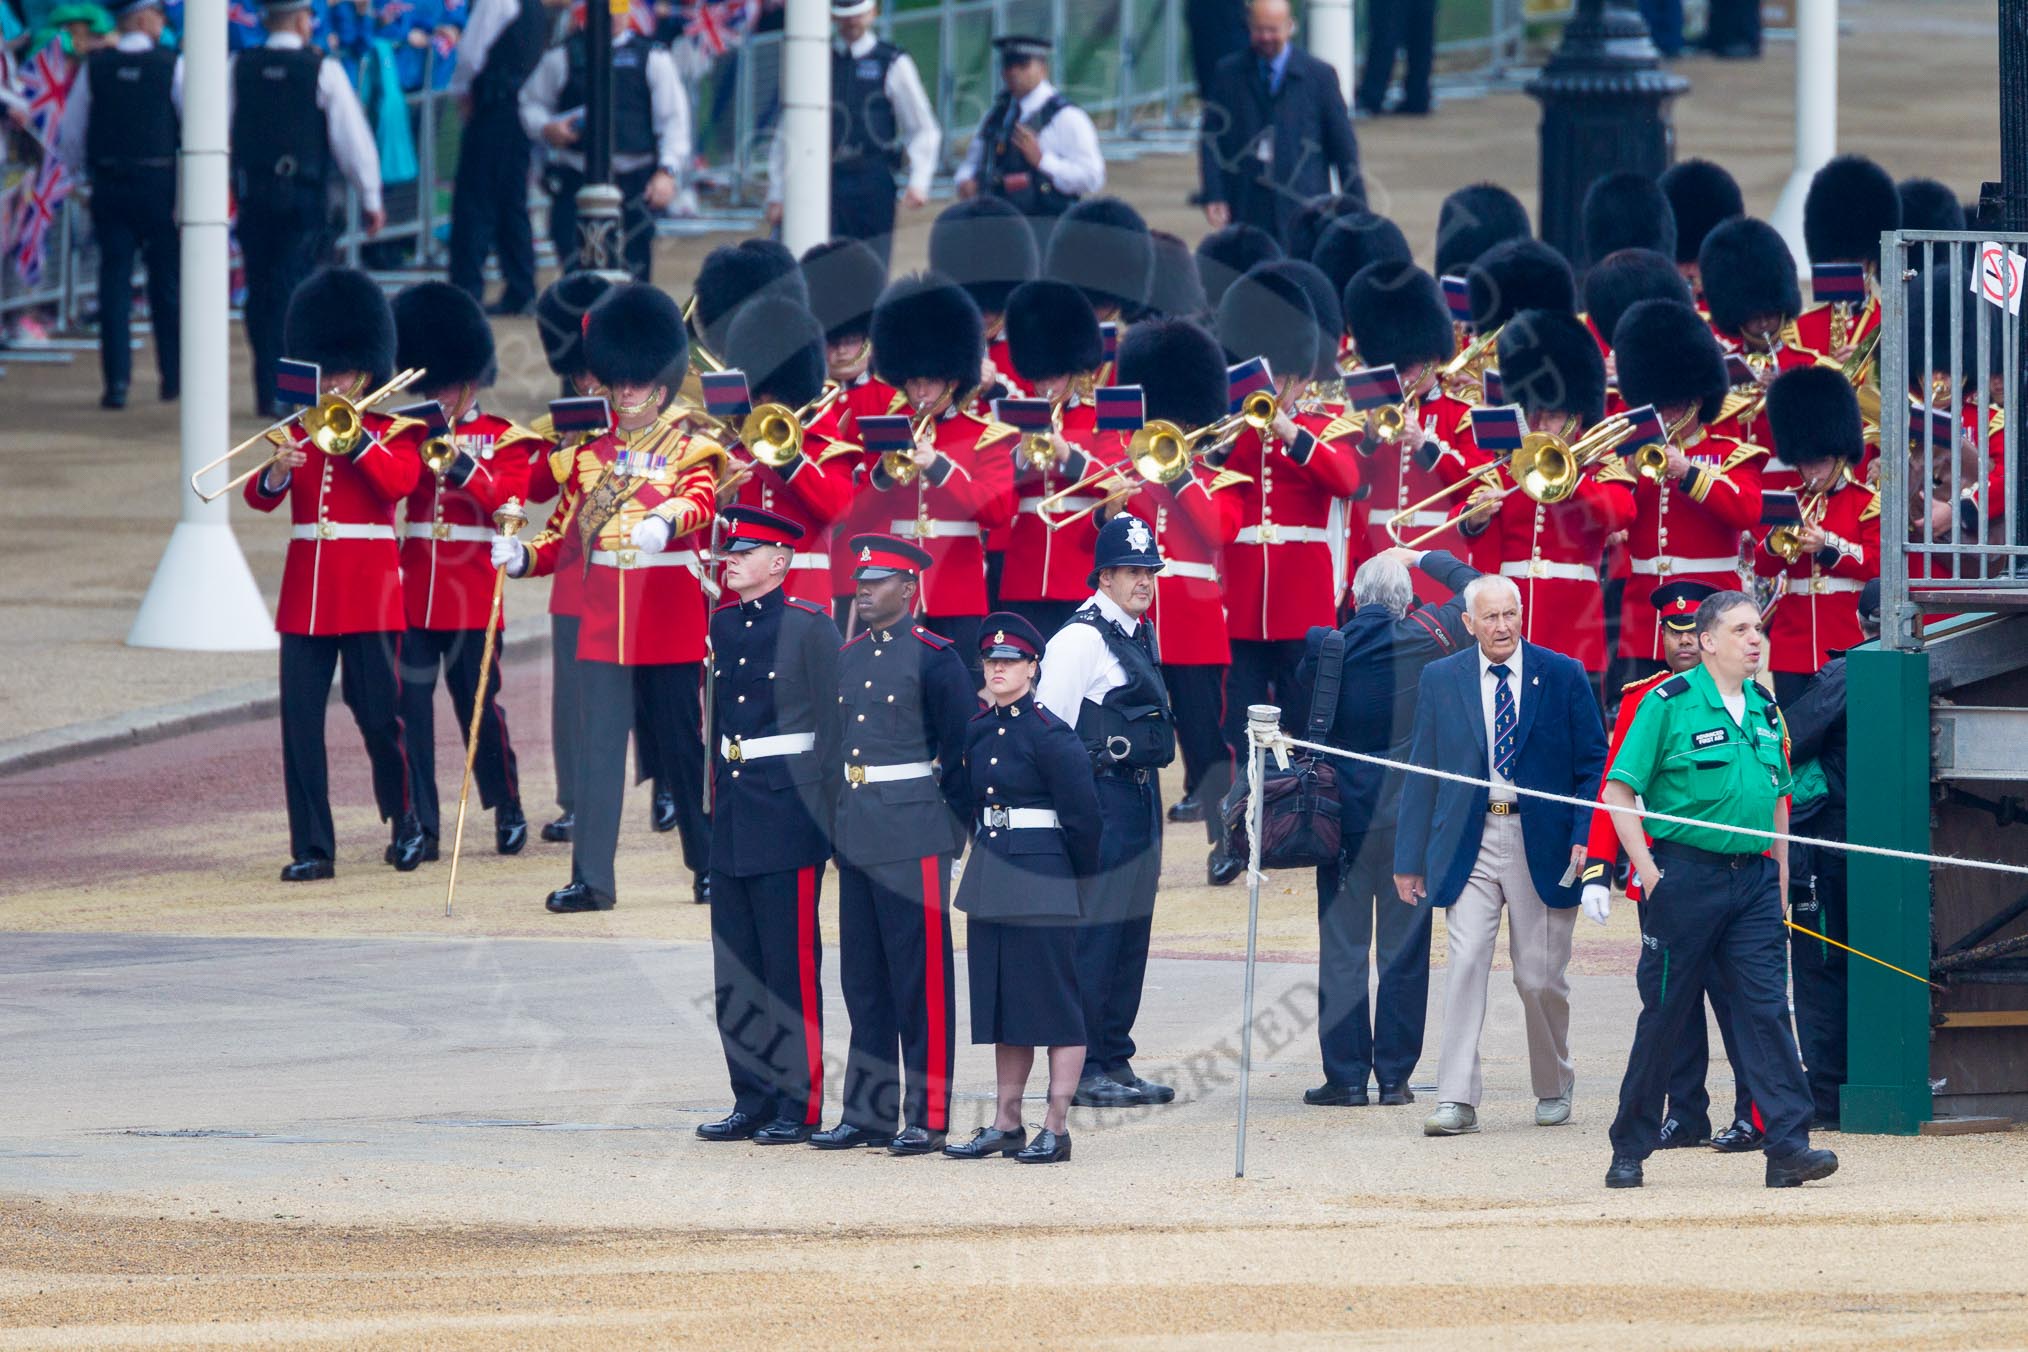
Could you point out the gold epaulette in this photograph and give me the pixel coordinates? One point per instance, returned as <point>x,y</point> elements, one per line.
<point>280,436</point>
<point>1871,511</point>
<point>995,433</point>
<point>1790,336</point>
<point>1340,425</point>
<point>516,433</point>
<point>1227,478</point>
<point>398,424</point>
<point>544,427</point>
<point>1644,682</point>
<point>1615,471</point>
<point>898,403</point>
<point>1742,453</point>
<point>840,447</point>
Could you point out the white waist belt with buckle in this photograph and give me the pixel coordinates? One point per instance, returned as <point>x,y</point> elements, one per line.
<point>888,774</point>
<point>1427,518</point>
<point>342,530</point>
<point>1664,567</point>
<point>1284,535</point>
<point>1202,572</point>
<point>635,558</point>
<point>936,529</point>
<point>1063,505</point>
<point>810,561</point>
<point>1019,818</point>
<point>761,748</point>
<point>475,535</point>
<point>1565,572</point>
<point>1823,586</point>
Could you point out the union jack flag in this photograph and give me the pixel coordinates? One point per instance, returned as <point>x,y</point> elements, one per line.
<point>715,27</point>
<point>37,212</point>
<point>45,84</point>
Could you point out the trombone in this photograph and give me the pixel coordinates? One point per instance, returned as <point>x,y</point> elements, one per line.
<point>773,433</point>
<point>333,424</point>
<point>1160,453</point>
<point>1463,374</point>
<point>1546,468</point>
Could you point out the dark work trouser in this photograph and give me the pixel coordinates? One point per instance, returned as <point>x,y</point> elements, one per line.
<point>370,685</point>
<point>1356,905</point>
<point>669,749</point>
<point>1197,698</point>
<point>767,967</point>
<point>1689,1098</point>
<point>1398,26</point>
<point>1714,915</point>
<point>637,226</point>
<point>563,707</point>
<point>456,652</point>
<point>862,203</point>
<point>136,213</point>
<point>1112,944</point>
<point>489,207</point>
<point>605,718</point>
<point>1818,968</point>
<point>281,241</point>
<point>894,959</point>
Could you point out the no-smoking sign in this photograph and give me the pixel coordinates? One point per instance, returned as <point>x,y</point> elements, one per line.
<point>2000,275</point>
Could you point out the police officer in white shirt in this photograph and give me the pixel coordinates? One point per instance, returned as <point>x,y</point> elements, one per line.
<point>1101,675</point>
<point>1035,147</point>
<point>881,121</point>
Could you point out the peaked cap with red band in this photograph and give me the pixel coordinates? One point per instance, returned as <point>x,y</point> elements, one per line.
<point>750,528</point>
<point>878,556</point>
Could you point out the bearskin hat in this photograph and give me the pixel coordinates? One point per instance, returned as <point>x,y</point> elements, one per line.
<point>1665,354</point>
<point>1308,222</point>
<point>1175,289</point>
<point>1701,194</point>
<point>1519,274</point>
<point>1051,331</point>
<point>780,346</point>
<point>987,247</point>
<point>1180,370</point>
<point>1351,242</point>
<point>844,279</point>
<point>1550,363</point>
<point>1474,219</point>
<point>1228,253</point>
<point>634,336</point>
<point>1928,205</point>
<point>1622,278</point>
<point>1813,415</point>
<point>1324,304</point>
<point>339,319</point>
<point>1626,210</point>
<point>440,328</point>
<point>1101,246</point>
<point>927,327</point>
<point>1268,314</point>
<point>1397,316</point>
<point>559,318</point>
<point>1850,201</point>
<point>1747,271</point>
<point>734,274</point>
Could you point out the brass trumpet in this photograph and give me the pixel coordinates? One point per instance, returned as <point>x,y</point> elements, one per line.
<point>1257,411</point>
<point>1463,374</point>
<point>773,433</point>
<point>1038,449</point>
<point>438,455</point>
<point>1786,542</point>
<point>900,466</point>
<point>1160,453</point>
<point>333,424</point>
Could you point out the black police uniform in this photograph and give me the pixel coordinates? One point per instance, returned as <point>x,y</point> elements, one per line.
<point>281,168</point>
<point>489,196</point>
<point>775,674</point>
<point>866,146</point>
<point>904,698</point>
<point>130,149</point>
<point>1037,196</point>
<point>633,134</point>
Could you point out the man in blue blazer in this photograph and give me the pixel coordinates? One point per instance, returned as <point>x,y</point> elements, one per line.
<point>1520,717</point>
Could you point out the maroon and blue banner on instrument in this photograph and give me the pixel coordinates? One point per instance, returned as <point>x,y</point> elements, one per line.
<point>1120,408</point>
<point>430,414</point>
<point>1779,507</point>
<point>1645,425</point>
<point>1109,340</point>
<point>1458,299</point>
<point>1737,372</point>
<point>1499,429</point>
<point>585,413</point>
<point>1492,386</point>
<point>885,432</point>
<point>1838,282</point>
<point>1372,387</point>
<point>726,394</point>
<point>1027,415</point>
<point>1249,377</point>
<point>296,382</point>
<point>1930,425</point>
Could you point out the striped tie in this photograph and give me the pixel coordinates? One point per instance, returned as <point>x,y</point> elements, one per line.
<point>1503,722</point>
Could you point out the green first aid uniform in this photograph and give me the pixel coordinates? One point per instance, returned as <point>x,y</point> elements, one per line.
<point>1716,914</point>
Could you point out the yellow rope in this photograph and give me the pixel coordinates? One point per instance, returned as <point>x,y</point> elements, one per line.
<point>1856,953</point>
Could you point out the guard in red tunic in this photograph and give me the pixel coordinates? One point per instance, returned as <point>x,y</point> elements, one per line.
<point>1688,525</point>
<point>1850,202</point>
<point>734,275</point>
<point>1835,545</point>
<point>927,341</point>
<point>446,565</point>
<point>627,495</point>
<point>341,584</point>
<point>1615,285</point>
<point>1753,299</point>
<point>1702,195</point>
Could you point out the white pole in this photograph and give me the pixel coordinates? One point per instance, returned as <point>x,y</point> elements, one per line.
<point>1262,721</point>
<point>203,596</point>
<point>1816,114</point>
<point>1331,40</point>
<point>806,124</point>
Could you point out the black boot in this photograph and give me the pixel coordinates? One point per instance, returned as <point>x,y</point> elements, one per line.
<point>307,870</point>
<point>411,845</point>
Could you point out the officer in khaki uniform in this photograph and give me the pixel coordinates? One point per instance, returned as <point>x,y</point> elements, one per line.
<point>1710,745</point>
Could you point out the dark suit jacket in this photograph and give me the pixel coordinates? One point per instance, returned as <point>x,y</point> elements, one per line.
<point>1562,750</point>
<point>1307,127</point>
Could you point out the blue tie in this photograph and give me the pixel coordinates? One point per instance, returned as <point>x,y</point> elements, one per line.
<point>1503,721</point>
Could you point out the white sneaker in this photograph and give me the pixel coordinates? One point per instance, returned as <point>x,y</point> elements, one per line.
<point>1452,1119</point>
<point>1552,1112</point>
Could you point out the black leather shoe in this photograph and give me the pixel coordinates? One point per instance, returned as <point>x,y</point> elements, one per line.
<point>1223,868</point>
<point>916,1141</point>
<point>1186,809</point>
<point>1328,1095</point>
<point>574,897</point>
<point>1675,1136</point>
<point>1805,1166</point>
<point>510,829</point>
<point>662,815</point>
<point>558,831</point>
<point>1149,1091</point>
<point>1046,1148</point>
<point>700,890</point>
<point>430,853</point>
<point>115,396</point>
<point>782,1131</point>
<point>307,870</point>
<point>1394,1095</point>
<point>1623,1173</point>
<point>734,1126</point>
<point>411,846</point>
<point>845,1136</point>
<point>1737,1139</point>
<point>171,390</point>
<point>987,1142</point>
<point>1102,1091</point>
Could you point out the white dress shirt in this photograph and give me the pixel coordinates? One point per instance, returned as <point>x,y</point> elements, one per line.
<point>1078,666</point>
<point>1487,683</point>
<point>1070,147</point>
<point>77,110</point>
<point>352,145</point>
<point>915,121</point>
<point>668,105</point>
<point>483,27</point>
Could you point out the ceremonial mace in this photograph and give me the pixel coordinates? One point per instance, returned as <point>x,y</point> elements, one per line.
<point>508,519</point>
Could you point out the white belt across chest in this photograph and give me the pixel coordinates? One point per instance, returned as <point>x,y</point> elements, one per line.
<point>443,530</point>
<point>1272,534</point>
<point>1201,572</point>
<point>624,559</point>
<point>1019,818</point>
<point>822,561</point>
<point>341,530</point>
<point>855,775</point>
<point>1665,566</point>
<point>930,530</point>
<point>761,748</point>
<point>1066,504</point>
<point>1541,568</point>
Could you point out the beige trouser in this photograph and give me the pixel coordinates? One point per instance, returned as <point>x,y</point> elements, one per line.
<point>1538,942</point>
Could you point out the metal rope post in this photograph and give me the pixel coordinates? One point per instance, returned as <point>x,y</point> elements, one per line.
<point>1263,722</point>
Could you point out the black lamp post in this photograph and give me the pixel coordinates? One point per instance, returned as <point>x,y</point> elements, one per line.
<point>598,200</point>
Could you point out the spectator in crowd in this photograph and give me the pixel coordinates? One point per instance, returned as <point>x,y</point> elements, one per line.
<point>503,41</point>
<point>1398,27</point>
<point>1217,30</point>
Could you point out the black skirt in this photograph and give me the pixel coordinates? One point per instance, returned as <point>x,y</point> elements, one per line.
<point>1024,983</point>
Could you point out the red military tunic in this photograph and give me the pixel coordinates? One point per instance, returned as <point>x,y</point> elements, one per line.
<point>949,507</point>
<point>865,512</point>
<point>446,555</point>
<point>1689,529</point>
<point>1194,520</point>
<point>1818,610</point>
<point>1398,476</point>
<point>1813,328</point>
<point>1788,357</point>
<point>343,570</point>
<point>637,609</point>
<point>1055,565</point>
<point>1279,579</point>
<point>1602,845</point>
<point>813,490</point>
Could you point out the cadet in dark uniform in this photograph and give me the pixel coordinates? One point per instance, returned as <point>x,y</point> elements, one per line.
<point>1709,744</point>
<point>904,698</point>
<point>1035,148</point>
<point>1102,677</point>
<point>775,675</point>
<point>120,130</point>
<point>1034,851</point>
<point>502,41</point>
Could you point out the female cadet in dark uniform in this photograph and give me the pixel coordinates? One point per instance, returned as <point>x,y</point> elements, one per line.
<point>1036,837</point>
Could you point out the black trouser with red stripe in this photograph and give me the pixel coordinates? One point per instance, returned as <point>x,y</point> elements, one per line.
<point>371,688</point>
<point>767,964</point>
<point>456,652</point>
<point>1197,698</point>
<point>894,958</point>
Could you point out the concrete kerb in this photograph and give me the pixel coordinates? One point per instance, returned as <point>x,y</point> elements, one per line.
<point>242,703</point>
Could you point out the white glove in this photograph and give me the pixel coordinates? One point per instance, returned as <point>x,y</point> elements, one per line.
<point>652,535</point>
<point>510,554</point>
<point>1597,902</point>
